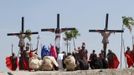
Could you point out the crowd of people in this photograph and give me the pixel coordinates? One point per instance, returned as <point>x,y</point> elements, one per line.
<point>51,60</point>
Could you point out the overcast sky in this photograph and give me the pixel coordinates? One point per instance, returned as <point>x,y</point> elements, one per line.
<point>82,14</point>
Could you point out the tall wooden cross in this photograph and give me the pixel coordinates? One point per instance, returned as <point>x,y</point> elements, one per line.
<point>57,32</point>
<point>20,35</point>
<point>105,34</point>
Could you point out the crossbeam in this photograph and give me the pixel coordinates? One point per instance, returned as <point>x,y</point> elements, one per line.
<point>22,30</point>
<point>57,29</point>
<point>11,34</point>
<point>106,31</point>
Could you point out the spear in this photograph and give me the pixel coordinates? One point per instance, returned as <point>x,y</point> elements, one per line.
<point>37,42</point>
<point>11,49</point>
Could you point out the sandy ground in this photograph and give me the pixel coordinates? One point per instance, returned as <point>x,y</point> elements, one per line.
<point>79,72</point>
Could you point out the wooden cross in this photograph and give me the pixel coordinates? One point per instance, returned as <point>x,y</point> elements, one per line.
<point>105,34</point>
<point>21,33</point>
<point>57,32</point>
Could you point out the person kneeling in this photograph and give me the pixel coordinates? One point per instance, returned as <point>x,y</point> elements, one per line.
<point>70,63</point>
<point>49,63</point>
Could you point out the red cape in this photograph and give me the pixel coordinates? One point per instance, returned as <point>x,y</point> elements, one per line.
<point>11,64</point>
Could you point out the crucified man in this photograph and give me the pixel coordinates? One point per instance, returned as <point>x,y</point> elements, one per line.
<point>105,40</point>
<point>21,41</point>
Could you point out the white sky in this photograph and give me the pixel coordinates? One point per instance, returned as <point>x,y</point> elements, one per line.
<point>82,14</point>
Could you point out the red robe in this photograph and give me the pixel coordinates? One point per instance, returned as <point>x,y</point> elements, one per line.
<point>23,61</point>
<point>116,62</point>
<point>132,55</point>
<point>11,63</point>
<point>129,59</point>
<point>53,52</point>
<point>113,63</point>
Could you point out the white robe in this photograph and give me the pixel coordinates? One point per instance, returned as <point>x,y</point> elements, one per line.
<point>34,62</point>
<point>70,63</point>
<point>48,63</point>
<point>59,60</point>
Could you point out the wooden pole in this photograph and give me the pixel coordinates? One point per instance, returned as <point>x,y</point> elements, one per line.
<point>22,23</point>
<point>106,22</point>
<point>58,21</point>
<point>121,48</point>
<point>37,42</point>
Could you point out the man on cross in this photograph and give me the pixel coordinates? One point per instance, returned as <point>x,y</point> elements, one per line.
<point>21,43</point>
<point>22,35</point>
<point>105,34</point>
<point>58,32</point>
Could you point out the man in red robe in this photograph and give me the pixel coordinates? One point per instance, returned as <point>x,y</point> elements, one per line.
<point>129,57</point>
<point>113,61</point>
<point>12,62</point>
